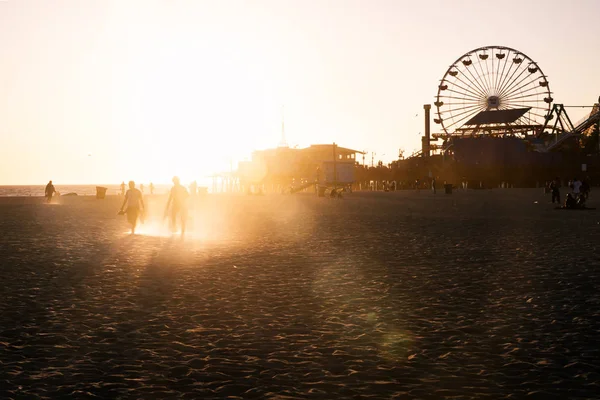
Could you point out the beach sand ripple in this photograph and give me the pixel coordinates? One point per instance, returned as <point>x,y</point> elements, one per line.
<point>483,294</point>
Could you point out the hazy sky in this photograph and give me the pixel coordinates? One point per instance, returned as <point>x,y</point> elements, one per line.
<point>105,91</point>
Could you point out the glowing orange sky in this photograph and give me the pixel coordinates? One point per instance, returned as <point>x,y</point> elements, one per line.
<point>105,91</point>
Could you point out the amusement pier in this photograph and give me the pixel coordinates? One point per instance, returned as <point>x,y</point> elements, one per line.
<point>495,124</point>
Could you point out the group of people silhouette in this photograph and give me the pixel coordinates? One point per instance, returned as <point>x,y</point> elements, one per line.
<point>580,191</point>
<point>176,208</point>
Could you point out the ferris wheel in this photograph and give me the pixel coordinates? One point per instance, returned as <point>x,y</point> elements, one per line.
<point>493,78</point>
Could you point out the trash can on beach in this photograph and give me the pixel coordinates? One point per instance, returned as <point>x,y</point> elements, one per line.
<point>448,188</point>
<point>100,192</point>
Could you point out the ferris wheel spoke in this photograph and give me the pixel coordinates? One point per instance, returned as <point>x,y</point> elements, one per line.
<point>508,81</point>
<point>530,112</point>
<point>474,82</point>
<point>523,100</point>
<point>544,110</point>
<point>533,110</point>
<point>496,71</point>
<point>470,111</point>
<point>466,107</point>
<point>463,94</point>
<point>477,82</point>
<point>484,80</point>
<point>464,103</point>
<point>501,72</point>
<point>465,100</point>
<point>530,98</point>
<point>465,116</point>
<point>490,75</point>
<point>524,91</point>
<point>473,87</point>
<point>465,91</point>
<point>461,118</point>
<point>518,87</point>
<point>506,73</point>
<point>517,84</point>
<point>457,112</point>
<point>469,89</point>
<point>538,113</point>
<point>518,106</point>
<point>511,81</point>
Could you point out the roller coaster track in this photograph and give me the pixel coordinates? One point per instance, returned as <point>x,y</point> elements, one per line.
<point>560,136</point>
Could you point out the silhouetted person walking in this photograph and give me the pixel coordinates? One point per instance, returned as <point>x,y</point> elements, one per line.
<point>555,190</point>
<point>49,192</point>
<point>142,188</point>
<point>151,188</point>
<point>135,204</point>
<point>122,188</point>
<point>585,188</point>
<point>177,202</point>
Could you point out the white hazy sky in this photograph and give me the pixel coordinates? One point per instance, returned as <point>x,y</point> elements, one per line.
<point>104,91</point>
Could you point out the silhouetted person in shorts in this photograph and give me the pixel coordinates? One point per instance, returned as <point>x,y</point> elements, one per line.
<point>151,188</point>
<point>142,188</point>
<point>135,205</point>
<point>49,192</point>
<point>122,188</point>
<point>177,203</point>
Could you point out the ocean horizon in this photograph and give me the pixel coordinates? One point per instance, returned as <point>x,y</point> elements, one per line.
<point>80,189</point>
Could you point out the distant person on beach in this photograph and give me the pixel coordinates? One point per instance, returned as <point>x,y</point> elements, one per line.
<point>177,203</point>
<point>570,201</point>
<point>135,205</point>
<point>585,188</point>
<point>193,188</point>
<point>49,192</point>
<point>555,190</point>
<point>576,186</point>
<point>151,188</point>
<point>433,185</point>
<point>142,188</point>
<point>122,188</point>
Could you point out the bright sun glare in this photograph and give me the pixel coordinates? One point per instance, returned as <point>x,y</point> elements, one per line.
<point>194,108</point>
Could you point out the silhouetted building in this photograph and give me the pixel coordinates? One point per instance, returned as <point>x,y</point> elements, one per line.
<point>285,166</point>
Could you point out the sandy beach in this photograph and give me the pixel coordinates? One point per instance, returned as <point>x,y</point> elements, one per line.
<point>478,294</point>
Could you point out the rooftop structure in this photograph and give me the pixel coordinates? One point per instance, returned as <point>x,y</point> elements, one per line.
<point>285,166</point>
